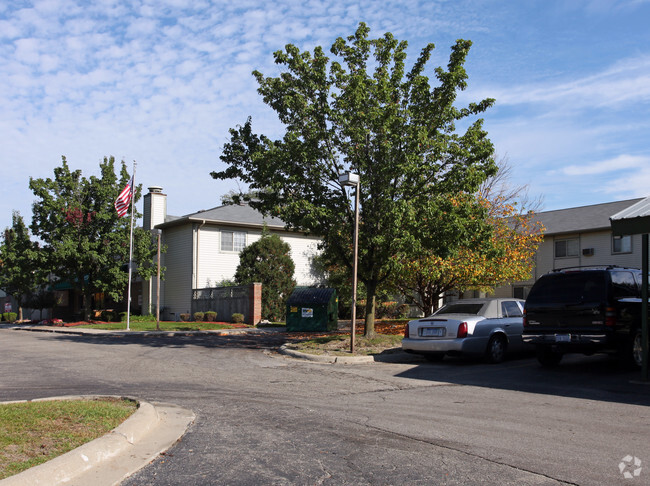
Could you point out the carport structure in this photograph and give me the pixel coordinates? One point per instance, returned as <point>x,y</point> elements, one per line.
<point>633,221</point>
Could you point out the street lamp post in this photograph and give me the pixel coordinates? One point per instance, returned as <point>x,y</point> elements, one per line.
<point>351,179</point>
<point>158,233</point>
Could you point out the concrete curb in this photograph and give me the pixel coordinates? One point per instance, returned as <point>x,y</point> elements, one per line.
<point>108,460</point>
<point>397,356</point>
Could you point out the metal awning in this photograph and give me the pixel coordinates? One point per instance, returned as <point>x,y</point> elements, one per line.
<point>635,220</point>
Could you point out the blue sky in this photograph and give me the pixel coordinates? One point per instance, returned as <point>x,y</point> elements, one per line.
<point>160,82</point>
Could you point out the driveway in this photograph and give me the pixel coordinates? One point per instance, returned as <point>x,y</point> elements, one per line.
<point>262,418</point>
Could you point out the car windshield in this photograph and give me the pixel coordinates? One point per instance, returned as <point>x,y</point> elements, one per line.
<point>460,308</point>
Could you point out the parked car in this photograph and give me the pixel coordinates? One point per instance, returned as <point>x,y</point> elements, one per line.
<point>585,310</point>
<point>481,327</point>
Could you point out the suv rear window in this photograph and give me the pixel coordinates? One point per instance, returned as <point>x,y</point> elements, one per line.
<point>569,288</point>
<point>624,285</point>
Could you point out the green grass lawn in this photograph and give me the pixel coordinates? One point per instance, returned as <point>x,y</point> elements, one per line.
<point>35,432</point>
<point>164,326</point>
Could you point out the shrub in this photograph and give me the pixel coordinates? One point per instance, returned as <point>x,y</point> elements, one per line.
<point>237,318</point>
<point>9,316</point>
<point>268,260</point>
<point>184,317</point>
<point>108,315</point>
<point>198,316</point>
<point>211,316</point>
<point>403,311</point>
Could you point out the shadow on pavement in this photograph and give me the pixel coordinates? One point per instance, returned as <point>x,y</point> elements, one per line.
<point>597,377</point>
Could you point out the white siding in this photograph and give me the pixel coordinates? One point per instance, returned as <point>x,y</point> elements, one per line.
<point>215,265</point>
<point>599,241</point>
<point>176,288</point>
<point>303,249</point>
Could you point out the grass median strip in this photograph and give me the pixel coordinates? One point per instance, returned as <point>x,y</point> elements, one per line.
<point>339,345</point>
<point>32,433</point>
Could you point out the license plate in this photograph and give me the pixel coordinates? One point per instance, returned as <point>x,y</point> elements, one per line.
<point>433,331</point>
<point>563,338</point>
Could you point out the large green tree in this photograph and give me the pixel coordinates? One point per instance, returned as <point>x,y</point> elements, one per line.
<point>21,263</point>
<point>85,241</point>
<point>364,113</point>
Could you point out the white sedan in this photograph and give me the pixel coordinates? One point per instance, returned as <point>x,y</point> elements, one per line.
<point>481,327</point>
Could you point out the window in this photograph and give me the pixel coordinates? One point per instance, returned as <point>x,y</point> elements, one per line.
<point>566,248</point>
<point>624,285</point>
<point>622,244</point>
<point>520,292</point>
<point>510,308</point>
<point>233,240</point>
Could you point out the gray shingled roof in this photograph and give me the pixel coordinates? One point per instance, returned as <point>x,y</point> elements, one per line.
<point>584,218</point>
<point>235,214</point>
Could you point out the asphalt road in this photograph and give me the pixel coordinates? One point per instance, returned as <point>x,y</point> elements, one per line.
<point>266,419</point>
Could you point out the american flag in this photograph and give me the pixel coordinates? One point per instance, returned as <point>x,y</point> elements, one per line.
<point>124,199</point>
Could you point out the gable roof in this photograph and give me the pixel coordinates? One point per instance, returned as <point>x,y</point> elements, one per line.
<point>230,215</point>
<point>583,218</point>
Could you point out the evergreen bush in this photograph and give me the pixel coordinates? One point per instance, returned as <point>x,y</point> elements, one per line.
<point>268,260</point>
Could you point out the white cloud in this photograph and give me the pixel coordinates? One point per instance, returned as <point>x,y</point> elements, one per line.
<point>618,163</point>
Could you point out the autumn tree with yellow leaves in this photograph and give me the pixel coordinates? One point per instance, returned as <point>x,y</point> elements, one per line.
<point>505,256</point>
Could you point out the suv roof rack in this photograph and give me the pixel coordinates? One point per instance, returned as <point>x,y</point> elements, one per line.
<point>592,267</point>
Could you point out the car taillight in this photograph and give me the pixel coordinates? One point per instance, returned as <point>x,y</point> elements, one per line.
<point>610,316</point>
<point>462,330</point>
<point>525,319</point>
<point>406,331</point>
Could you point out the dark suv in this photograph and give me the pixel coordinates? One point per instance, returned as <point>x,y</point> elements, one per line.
<point>585,310</point>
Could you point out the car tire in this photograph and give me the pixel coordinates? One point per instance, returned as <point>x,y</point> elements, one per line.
<point>496,349</point>
<point>636,349</point>
<point>434,357</point>
<point>548,357</point>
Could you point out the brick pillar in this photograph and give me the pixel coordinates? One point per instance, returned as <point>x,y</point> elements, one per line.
<point>254,303</point>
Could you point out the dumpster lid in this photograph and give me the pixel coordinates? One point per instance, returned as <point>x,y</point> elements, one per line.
<point>311,295</point>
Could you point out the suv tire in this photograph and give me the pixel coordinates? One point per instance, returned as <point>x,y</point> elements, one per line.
<point>548,357</point>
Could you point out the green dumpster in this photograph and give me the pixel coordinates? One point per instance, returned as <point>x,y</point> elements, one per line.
<point>312,309</point>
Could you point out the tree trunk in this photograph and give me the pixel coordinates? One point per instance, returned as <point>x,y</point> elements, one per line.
<point>371,291</point>
<point>87,304</point>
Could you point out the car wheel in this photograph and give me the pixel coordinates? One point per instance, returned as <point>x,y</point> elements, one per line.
<point>547,357</point>
<point>434,357</point>
<point>496,349</point>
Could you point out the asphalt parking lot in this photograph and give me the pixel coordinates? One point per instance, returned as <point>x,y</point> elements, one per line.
<point>264,418</point>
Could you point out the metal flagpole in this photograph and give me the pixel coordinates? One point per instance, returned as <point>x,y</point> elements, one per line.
<point>128,298</point>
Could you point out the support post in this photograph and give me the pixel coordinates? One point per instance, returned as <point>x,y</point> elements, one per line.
<point>644,305</point>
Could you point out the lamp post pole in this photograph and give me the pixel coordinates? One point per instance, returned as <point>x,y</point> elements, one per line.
<point>354,271</point>
<point>351,179</point>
